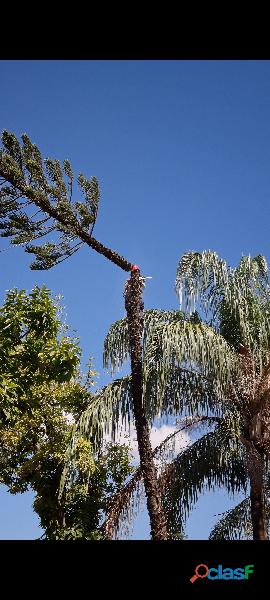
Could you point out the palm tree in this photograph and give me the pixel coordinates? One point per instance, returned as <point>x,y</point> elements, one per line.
<point>231,349</point>
<point>219,367</point>
<point>236,305</point>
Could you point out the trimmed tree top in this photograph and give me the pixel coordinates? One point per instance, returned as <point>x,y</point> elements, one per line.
<point>26,181</point>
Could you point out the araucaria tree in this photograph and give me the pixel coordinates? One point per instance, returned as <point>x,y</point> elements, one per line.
<point>27,181</point>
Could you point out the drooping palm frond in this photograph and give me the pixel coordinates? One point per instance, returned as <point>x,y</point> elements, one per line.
<point>214,460</point>
<point>110,408</point>
<point>178,391</point>
<point>166,450</point>
<point>204,277</point>
<point>235,524</point>
<point>108,411</point>
<point>196,347</point>
<point>123,508</point>
<point>125,505</point>
<point>181,387</point>
<point>116,344</point>
<point>248,323</point>
<point>252,275</point>
<point>235,301</point>
<point>199,279</point>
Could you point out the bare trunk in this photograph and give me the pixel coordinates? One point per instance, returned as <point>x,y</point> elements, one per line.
<point>133,298</point>
<point>257,500</point>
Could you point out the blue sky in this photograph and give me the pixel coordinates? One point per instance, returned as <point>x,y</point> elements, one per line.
<point>182,152</point>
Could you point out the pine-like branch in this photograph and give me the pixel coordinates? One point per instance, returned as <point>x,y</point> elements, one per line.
<point>47,185</point>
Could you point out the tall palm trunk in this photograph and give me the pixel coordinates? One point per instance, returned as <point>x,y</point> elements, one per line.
<point>257,500</point>
<point>134,305</point>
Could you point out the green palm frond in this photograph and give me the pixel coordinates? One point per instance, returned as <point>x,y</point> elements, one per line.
<point>196,347</point>
<point>179,391</point>
<point>236,302</point>
<point>110,408</point>
<point>214,460</point>
<point>199,278</point>
<point>205,277</point>
<point>235,524</point>
<point>125,505</point>
<point>108,411</point>
<point>168,389</point>
<point>252,274</point>
<point>123,508</point>
<point>116,344</point>
<point>166,450</point>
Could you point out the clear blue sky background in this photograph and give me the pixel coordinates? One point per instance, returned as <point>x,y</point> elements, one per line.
<point>182,153</point>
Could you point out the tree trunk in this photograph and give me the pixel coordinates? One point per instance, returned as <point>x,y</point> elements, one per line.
<point>257,500</point>
<point>133,298</point>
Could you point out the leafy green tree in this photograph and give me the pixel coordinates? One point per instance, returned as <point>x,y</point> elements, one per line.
<point>41,396</point>
<point>31,350</point>
<point>29,181</point>
<point>214,368</point>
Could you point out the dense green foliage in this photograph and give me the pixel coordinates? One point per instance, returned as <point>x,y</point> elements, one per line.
<point>42,394</point>
<point>31,350</point>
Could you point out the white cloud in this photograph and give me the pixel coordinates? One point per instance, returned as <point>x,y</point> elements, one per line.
<point>157,435</point>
